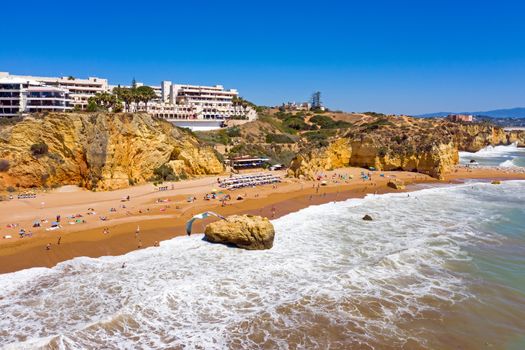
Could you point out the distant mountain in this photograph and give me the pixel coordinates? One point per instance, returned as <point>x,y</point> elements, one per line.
<point>518,112</point>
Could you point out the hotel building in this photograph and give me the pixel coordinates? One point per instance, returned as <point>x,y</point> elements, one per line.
<point>80,90</point>
<point>193,106</point>
<point>196,107</point>
<point>19,97</point>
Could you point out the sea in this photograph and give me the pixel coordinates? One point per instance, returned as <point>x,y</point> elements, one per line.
<point>496,156</point>
<point>437,268</point>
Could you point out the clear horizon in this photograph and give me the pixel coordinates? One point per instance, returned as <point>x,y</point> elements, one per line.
<point>407,57</point>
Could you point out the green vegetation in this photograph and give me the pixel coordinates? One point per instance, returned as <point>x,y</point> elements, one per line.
<point>39,149</point>
<point>105,101</point>
<point>165,173</point>
<point>238,100</point>
<point>276,123</point>
<point>319,138</point>
<point>325,122</point>
<point>377,124</point>
<point>102,101</point>
<point>279,138</point>
<point>234,131</point>
<point>296,123</point>
<point>143,94</point>
<point>375,114</point>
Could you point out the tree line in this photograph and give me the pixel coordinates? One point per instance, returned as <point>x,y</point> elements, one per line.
<point>121,99</point>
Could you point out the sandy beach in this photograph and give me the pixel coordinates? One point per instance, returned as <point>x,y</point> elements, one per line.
<point>160,215</point>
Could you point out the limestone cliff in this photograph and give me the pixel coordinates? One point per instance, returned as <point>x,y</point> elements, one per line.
<point>98,151</point>
<point>398,143</point>
<point>473,137</point>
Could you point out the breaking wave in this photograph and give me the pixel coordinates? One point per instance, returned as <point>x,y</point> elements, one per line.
<point>331,280</point>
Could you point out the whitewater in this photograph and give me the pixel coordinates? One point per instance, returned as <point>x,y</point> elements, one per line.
<point>503,156</point>
<point>435,269</point>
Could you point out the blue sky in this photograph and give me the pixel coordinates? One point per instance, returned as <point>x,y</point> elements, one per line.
<point>392,56</point>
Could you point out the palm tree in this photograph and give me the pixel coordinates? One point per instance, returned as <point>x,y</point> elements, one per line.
<point>145,94</point>
<point>125,95</point>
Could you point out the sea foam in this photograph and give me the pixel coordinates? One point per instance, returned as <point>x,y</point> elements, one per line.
<point>331,279</point>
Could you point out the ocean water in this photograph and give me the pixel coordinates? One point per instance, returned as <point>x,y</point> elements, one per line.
<point>504,156</point>
<point>440,268</point>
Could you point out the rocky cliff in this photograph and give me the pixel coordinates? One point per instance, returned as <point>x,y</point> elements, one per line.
<point>98,151</point>
<point>473,137</point>
<point>385,144</point>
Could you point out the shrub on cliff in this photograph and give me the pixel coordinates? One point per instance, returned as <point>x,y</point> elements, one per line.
<point>296,123</point>
<point>317,138</point>
<point>163,172</point>
<point>278,138</point>
<point>377,124</point>
<point>325,122</point>
<point>233,131</point>
<point>39,149</point>
<point>4,165</point>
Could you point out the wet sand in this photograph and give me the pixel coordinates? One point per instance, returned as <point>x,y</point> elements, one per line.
<point>165,220</point>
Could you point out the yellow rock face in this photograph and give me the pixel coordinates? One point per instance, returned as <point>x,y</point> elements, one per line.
<point>244,231</point>
<point>99,151</point>
<point>337,155</point>
<point>425,146</point>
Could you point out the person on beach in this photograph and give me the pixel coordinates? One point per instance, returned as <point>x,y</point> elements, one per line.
<point>48,246</point>
<point>156,244</point>
<point>140,244</point>
<point>273,211</point>
<point>59,239</point>
<point>137,231</point>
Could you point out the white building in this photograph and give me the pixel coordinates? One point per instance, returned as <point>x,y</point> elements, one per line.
<point>19,97</point>
<point>80,90</point>
<point>194,106</point>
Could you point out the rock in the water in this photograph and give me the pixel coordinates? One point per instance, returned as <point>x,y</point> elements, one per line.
<point>396,185</point>
<point>244,231</point>
<point>367,218</point>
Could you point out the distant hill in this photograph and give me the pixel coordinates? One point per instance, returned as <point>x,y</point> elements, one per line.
<point>518,112</point>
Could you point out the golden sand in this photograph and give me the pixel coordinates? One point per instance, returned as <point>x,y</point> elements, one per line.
<point>162,215</point>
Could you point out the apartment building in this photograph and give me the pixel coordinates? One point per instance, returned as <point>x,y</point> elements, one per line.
<point>187,105</point>
<point>19,97</point>
<point>80,90</point>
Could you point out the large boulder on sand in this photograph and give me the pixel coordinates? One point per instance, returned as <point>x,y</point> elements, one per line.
<point>396,184</point>
<point>244,231</point>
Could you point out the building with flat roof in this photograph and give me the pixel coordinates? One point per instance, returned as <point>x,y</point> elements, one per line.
<point>205,107</point>
<point>19,97</point>
<point>80,90</point>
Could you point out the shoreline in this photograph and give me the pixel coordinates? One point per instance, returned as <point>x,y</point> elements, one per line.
<point>287,198</point>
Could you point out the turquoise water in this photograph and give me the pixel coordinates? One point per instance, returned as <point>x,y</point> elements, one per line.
<point>439,268</point>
